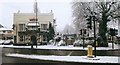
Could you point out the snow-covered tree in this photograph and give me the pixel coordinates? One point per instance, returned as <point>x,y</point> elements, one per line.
<point>104,11</point>
<point>69,29</point>
<point>51,32</point>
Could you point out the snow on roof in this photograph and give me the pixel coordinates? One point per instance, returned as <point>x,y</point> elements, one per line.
<point>5,28</point>
<point>33,24</point>
<point>1,26</point>
<point>57,36</point>
<point>83,59</point>
<point>112,24</point>
<point>114,27</point>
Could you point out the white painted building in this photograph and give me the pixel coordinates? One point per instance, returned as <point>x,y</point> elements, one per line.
<point>34,24</point>
<point>6,33</point>
<point>23,21</point>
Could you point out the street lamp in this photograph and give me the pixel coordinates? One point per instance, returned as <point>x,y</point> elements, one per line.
<point>94,24</point>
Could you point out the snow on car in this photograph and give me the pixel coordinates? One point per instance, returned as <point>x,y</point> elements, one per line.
<point>8,42</point>
<point>61,43</point>
<point>1,42</point>
<point>77,43</point>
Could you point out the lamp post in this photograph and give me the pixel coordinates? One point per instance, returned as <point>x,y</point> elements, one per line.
<point>27,33</point>
<point>36,21</point>
<point>94,24</point>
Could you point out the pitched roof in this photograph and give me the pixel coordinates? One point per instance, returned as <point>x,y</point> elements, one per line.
<point>1,26</point>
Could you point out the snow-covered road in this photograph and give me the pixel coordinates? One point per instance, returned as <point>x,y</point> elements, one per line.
<point>81,59</point>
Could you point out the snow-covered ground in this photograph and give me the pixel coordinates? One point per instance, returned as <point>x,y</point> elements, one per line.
<point>83,59</point>
<point>69,47</point>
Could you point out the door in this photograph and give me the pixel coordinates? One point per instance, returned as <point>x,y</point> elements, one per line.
<point>33,40</point>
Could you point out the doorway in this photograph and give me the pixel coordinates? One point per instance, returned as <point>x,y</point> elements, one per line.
<point>33,40</point>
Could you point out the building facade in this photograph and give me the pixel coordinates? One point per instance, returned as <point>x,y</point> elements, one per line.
<point>6,33</point>
<point>27,25</point>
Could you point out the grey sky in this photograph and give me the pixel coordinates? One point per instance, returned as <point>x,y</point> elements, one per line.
<point>61,8</point>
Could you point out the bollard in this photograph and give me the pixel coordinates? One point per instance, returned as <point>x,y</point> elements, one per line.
<point>89,55</point>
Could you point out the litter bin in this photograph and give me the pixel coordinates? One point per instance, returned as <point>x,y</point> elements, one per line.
<point>89,55</point>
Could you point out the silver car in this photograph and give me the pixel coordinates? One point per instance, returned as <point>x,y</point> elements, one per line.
<point>78,43</point>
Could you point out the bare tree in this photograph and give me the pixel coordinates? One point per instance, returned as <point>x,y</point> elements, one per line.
<point>104,11</point>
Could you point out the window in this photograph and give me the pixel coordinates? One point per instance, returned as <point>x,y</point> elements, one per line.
<point>21,38</point>
<point>44,26</point>
<point>44,38</point>
<point>21,27</point>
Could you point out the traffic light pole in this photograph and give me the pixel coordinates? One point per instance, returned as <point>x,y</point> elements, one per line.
<point>94,35</point>
<point>83,38</point>
<point>112,43</point>
<point>36,23</point>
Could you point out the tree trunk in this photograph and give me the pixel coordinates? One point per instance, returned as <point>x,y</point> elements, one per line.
<point>103,30</point>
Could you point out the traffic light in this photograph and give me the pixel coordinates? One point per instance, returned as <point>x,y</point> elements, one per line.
<point>84,31</point>
<point>89,23</point>
<point>81,32</point>
<point>112,32</point>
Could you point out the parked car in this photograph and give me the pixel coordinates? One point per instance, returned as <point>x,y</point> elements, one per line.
<point>44,43</point>
<point>51,42</point>
<point>78,43</point>
<point>1,42</point>
<point>89,42</point>
<point>61,43</point>
<point>8,42</point>
<point>57,38</point>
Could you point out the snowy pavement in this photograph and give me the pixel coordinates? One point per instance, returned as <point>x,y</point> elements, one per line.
<point>69,47</point>
<point>81,59</point>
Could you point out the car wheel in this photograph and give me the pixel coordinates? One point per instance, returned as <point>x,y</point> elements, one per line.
<point>74,45</point>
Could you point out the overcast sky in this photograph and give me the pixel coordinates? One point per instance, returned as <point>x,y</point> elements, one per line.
<point>61,9</point>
